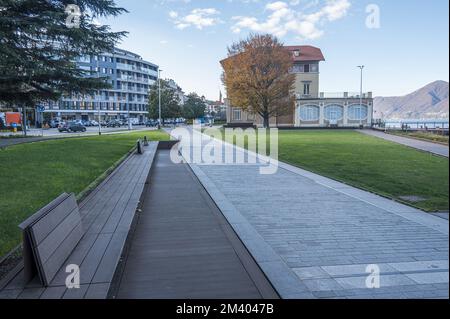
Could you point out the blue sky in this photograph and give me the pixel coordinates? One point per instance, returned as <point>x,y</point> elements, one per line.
<point>188,38</point>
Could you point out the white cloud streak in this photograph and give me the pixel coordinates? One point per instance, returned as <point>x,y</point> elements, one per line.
<point>283,19</point>
<point>197,18</point>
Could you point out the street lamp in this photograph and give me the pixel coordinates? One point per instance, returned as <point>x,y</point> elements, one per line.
<point>98,100</point>
<point>159,97</point>
<point>361,67</point>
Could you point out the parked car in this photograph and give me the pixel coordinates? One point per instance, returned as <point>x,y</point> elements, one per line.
<point>94,123</point>
<point>72,127</point>
<point>114,123</point>
<point>55,123</point>
<point>151,123</point>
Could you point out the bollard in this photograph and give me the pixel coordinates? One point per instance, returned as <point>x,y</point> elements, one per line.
<point>139,147</point>
<point>145,141</point>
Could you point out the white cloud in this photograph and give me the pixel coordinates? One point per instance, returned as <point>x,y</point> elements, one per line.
<point>283,19</point>
<point>173,14</point>
<point>198,18</point>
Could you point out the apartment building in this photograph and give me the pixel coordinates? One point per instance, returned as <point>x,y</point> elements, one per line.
<point>130,78</point>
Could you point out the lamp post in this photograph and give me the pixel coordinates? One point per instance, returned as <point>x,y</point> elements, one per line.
<point>159,97</point>
<point>98,100</point>
<point>361,67</point>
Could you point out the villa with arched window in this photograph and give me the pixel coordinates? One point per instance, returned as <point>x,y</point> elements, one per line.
<point>312,107</point>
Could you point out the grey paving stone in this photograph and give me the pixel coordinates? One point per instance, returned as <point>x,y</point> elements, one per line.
<point>285,281</point>
<point>421,265</point>
<point>347,270</point>
<point>311,273</point>
<point>385,281</point>
<point>430,277</point>
<point>323,284</point>
<point>312,221</point>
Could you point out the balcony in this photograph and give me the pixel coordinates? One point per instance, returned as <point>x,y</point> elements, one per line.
<point>335,95</point>
<point>344,95</point>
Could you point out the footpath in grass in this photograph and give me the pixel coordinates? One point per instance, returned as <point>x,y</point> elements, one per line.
<point>370,163</point>
<point>31,175</point>
<point>426,136</point>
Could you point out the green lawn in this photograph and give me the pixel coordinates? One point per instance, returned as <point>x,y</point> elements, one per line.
<point>370,163</point>
<point>31,175</point>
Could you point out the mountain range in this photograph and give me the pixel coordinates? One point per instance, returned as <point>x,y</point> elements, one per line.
<point>429,102</point>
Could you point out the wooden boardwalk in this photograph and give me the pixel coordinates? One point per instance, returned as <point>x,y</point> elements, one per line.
<point>107,215</point>
<point>183,247</point>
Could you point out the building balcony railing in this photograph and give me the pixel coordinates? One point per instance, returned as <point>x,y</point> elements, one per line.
<point>128,78</point>
<point>130,67</point>
<point>344,95</point>
<point>335,95</point>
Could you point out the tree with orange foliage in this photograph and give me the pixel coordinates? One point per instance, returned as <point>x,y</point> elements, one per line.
<point>257,76</point>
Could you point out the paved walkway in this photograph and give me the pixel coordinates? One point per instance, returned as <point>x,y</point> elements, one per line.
<point>182,246</point>
<point>315,237</point>
<point>107,214</point>
<point>430,147</point>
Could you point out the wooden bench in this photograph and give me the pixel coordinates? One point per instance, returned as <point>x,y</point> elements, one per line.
<point>107,214</point>
<point>50,236</point>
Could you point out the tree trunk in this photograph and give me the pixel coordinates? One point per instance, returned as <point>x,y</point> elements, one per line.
<point>24,119</point>
<point>266,121</point>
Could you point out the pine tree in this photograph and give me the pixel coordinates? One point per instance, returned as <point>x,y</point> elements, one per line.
<point>40,41</point>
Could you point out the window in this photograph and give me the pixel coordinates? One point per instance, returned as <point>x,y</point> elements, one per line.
<point>85,59</point>
<point>357,112</point>
<point>306,68</point>
<point>306,87</point>
<point>237,114</point>
<point>334,112</point>
<point>297,68</point>
<point>309,113</point>
<point>314,68</point>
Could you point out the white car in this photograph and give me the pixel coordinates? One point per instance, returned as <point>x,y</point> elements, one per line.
<point>94,123</point>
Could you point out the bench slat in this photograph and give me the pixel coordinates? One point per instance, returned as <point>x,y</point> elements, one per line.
<point>51,243</point>
<point>44,210</point>
<point>55,262</point>
<point>47,223</point>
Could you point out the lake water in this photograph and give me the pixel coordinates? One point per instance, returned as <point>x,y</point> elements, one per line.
<point>417,124</point>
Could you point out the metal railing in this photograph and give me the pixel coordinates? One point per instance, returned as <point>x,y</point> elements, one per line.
<point>335,95</point>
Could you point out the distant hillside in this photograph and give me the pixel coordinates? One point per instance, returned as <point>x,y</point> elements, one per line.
<point>429,102</point>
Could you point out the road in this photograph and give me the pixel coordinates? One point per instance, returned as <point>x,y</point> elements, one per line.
<point>90,131</point>
<point>40,135</point>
